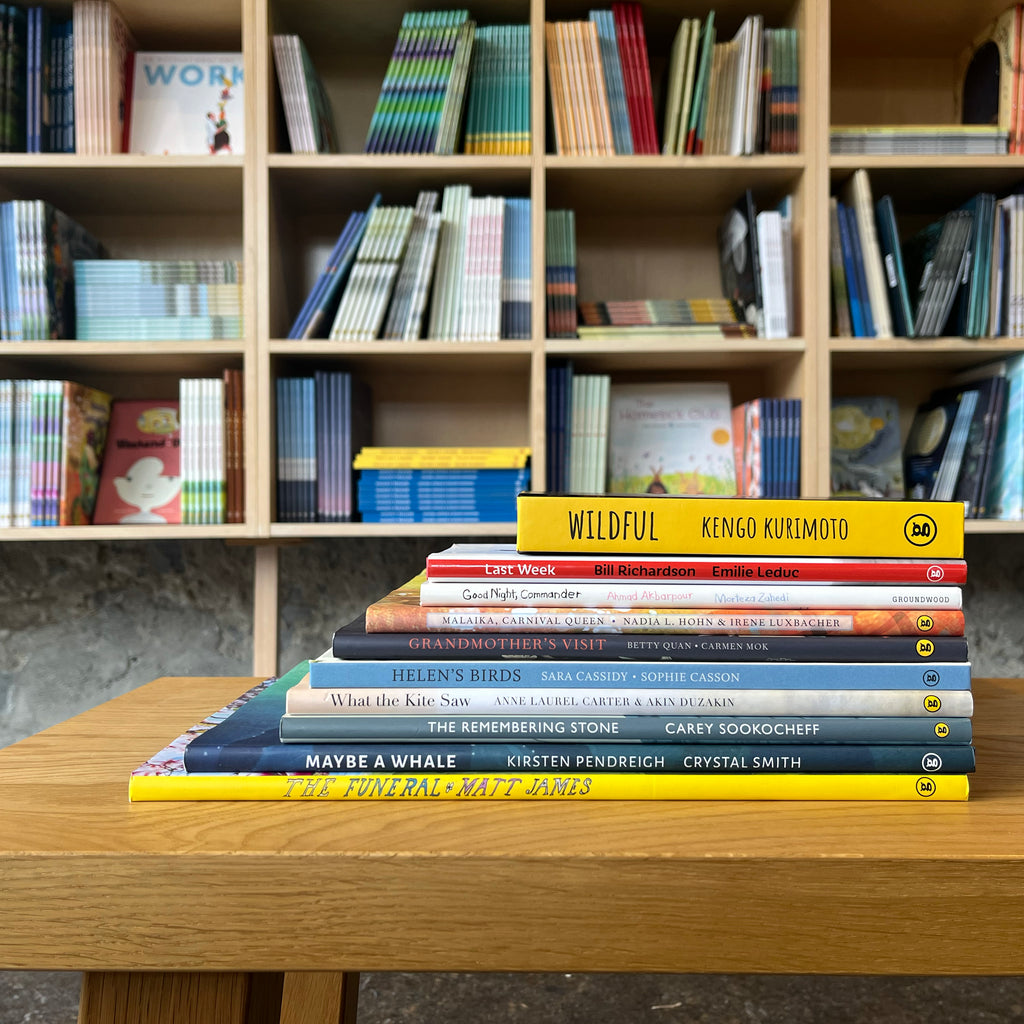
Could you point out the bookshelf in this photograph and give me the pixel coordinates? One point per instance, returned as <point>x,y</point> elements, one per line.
<point>646,227</point>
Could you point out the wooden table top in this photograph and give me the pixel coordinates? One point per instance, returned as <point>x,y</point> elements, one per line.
<point>90,881</point>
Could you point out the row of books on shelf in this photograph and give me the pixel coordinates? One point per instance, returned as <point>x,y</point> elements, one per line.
<point>667,438</point>
<point>454,266</point>
<point>965,443</point>
<point>57,281</point>
<point>755,253</point>
<point>962,274</point>
<point>452,85</point>
<point>734,97</point>
<point>506,671</point>
<point>76,82</point>
<point>72,455</point>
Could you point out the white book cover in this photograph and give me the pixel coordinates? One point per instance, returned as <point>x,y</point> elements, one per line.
<point>773,274</point>
<point>187,104</point>
<point>671,438</point>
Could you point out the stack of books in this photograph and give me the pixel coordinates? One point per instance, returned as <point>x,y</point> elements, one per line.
<point>322,421</point>
<point>309,116</point>
<point>442,63</point>
<point>786,662</point>
<point>158,300</point>
<point>440,485</point>
<point>918,139</point>
<point>53,434</point>
<point>40,248</point>
<point>470,257</point>
<point>560,273</point>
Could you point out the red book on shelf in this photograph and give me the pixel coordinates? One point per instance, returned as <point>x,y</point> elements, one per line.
<point>624,40</point>
<point>646,97</point>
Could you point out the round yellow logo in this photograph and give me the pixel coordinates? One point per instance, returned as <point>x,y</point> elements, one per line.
<point>925,648</point>
<point>941,730</point>
<point>925,623</point>
<point>932,703</point>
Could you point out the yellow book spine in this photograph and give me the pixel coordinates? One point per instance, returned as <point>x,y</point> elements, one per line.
<point>527,786</point>
<point>442,458</point>
<point>677,524</point>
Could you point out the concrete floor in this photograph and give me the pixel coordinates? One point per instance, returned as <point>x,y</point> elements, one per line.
<point>49,998</point>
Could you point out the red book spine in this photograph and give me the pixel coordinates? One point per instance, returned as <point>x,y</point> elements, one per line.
<point>644,75</point>
<point>499,566</point>
<point>623,37</point>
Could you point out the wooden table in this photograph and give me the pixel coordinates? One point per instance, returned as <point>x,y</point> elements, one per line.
<point>268,911</point>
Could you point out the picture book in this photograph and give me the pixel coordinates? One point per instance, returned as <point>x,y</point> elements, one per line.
<point>865,448</point>
<point>86,413</point>
<point>141,479</point>
<point>671,438</point>
<point>401,612</point>
<point>674,524</point>
<point>187,104</point>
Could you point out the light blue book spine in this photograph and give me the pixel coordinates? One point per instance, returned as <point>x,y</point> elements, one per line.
<point>6,452</point>
<point>336,672</point>
<point>615,87</point>
<point>1005,496</point>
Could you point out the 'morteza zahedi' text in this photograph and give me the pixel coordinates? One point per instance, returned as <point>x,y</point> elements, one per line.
<point>641,525</point>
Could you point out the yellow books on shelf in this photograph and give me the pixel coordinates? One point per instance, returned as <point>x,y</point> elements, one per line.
<point>528,786</point>
<point>504,457</point>
<point>682,524</point>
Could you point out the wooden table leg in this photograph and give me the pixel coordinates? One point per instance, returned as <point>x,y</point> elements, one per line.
<point>297,997</point>
<point>136,997</point>
<point>319,997</point>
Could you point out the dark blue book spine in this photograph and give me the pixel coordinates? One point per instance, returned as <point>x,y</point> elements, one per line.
<point>850,269</point>
<point>591,757</point>
<point>858,267</point>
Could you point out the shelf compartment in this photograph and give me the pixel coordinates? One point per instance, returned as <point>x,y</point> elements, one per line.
<point>185,24</point>
<point>918,355</point>
<point>350,45</point>
<point>311,201</point>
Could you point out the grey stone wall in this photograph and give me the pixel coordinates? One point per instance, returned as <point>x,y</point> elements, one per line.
<point>83,622</point>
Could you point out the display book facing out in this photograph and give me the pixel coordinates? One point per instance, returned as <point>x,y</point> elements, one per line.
<point>535,710</point>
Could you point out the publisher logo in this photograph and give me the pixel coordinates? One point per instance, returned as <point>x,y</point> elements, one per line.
<point>936,573</point>
<point>920,530</point>
<point>931,763</point>
<point>941,730</point>
<point>925,787</point>
<point>925,623</point>
<point>925,648</point>
<point>932,703</point>
<point>931,678</point>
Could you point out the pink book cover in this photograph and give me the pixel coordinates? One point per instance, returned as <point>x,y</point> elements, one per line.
<point>141,477</point>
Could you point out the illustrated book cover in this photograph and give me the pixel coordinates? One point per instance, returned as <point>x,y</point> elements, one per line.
<point>141,478</point>
<point>187,104</point>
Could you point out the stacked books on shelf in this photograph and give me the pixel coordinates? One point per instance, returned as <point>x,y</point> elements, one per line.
<point>560,273</point>
<point>667,438</point>
<point>453,267</point>
<point>637,318</point>
<point>40,248</point>
<point>773,665</point>
<point>730,97</point>
<point>157,300</point>
<point>918,140</point>
<point>186,104</point>
<point>71,455</point>
<point>308,113</point>
<point>440,485</point>
<point>101,54</point>
<point>450,82</point>
<point>955,276</point>
<point>53,434</point>
<point>766,439</point>
<point>322,420</point>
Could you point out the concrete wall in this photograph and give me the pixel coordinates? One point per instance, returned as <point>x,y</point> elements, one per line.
<point>83,622</point>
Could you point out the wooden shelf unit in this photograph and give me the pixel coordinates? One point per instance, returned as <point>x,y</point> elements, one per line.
<point>645,228</point>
